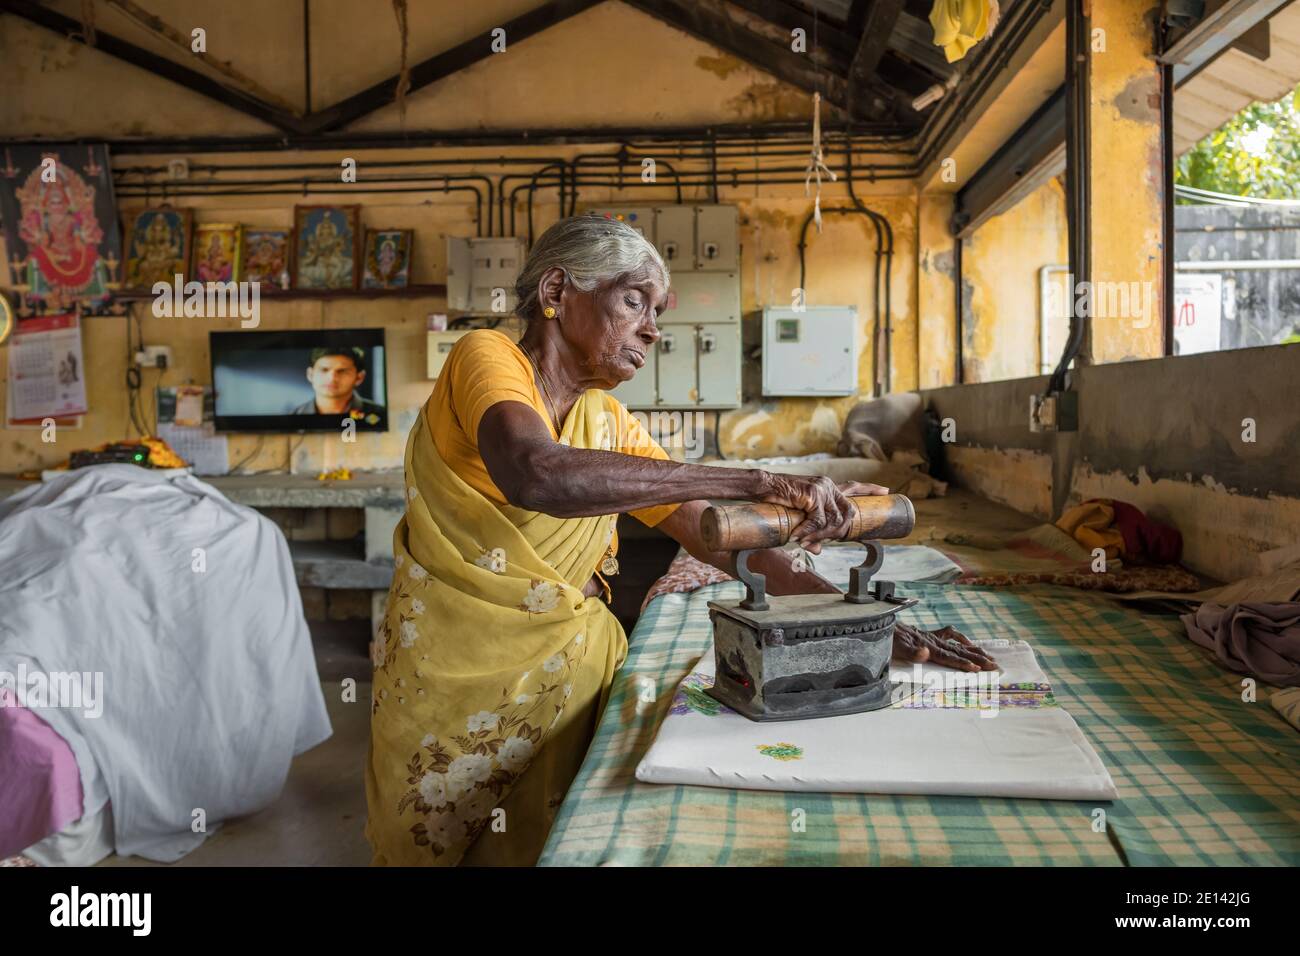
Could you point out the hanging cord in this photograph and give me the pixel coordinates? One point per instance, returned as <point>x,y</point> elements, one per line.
<point>817,163</point>
<point>404,73</point>
<point>88,21</point>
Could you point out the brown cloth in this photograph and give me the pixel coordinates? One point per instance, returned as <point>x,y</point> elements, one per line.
<point>1257,638</point>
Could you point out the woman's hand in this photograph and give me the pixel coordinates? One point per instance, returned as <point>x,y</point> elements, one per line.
<point>827,510</point>
<point>946,646</point>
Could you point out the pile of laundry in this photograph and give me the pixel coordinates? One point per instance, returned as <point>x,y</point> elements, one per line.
<point>1121,531</point>
<point>892,430</point>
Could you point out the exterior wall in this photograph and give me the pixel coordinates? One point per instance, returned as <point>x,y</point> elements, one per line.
<point>1126,186</point>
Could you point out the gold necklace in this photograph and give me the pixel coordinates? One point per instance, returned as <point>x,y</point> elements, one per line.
<point>608,563</point>
<point>551,407</point>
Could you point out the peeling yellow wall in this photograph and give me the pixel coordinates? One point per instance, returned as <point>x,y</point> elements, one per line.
<point>539,82</point>
<point>936,291</point>
<point>1017,477</point>
<point>1125,180</point>
<point>1000,272</point>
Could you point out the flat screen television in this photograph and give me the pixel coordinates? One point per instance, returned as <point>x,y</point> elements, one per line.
<point>299,381</point>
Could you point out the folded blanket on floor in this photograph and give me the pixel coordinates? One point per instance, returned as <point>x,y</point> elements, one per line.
<point>993,734</point>
<point>1255,638</point>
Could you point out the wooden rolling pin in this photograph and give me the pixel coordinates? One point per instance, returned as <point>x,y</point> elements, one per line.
<point>748,525</point>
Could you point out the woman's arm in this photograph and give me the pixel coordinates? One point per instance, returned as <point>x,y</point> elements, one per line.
<point>683,525</point>
<point>535,472</point>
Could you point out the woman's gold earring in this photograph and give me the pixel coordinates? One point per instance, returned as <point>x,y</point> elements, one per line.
<point>549,311</point>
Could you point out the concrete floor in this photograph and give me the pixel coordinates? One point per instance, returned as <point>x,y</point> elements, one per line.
<point>320,817</point>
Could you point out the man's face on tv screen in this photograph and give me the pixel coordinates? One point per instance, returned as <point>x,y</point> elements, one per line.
<point>334,377</point>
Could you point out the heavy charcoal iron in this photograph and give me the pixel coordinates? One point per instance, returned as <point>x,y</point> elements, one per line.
<point>808,655</point>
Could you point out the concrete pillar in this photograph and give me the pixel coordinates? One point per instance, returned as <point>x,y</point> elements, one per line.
<point>1126,182</point>
<point>936,293</point>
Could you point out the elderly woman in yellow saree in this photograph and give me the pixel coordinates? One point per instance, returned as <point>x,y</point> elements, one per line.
<point>498,651</point>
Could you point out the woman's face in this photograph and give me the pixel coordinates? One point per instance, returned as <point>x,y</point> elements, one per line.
<point>611,329</point>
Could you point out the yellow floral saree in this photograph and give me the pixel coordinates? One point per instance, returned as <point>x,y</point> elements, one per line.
<point>491,666</point>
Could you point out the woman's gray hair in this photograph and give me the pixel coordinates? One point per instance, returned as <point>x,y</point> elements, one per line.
<point>592,250</point>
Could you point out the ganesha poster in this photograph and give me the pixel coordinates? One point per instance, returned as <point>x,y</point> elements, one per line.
<point>60,225</point>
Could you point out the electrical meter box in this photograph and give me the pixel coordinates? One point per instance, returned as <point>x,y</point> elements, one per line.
<point>717,244</point>
<point>696,363</point>
<point>640,218</point>
<point>675,236</point>
<point>691,238</point>
<point>481,274</point>
<point>810,352</point>
<point>438,344</point>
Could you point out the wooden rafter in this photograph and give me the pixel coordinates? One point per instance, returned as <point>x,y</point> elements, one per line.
<point>444,64</point>
<point>879,26</point>
<point>147,60</point>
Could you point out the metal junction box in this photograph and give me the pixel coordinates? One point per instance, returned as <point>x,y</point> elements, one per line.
<point>481,274</point>
<point>697,361</point>
<point>810,352</point>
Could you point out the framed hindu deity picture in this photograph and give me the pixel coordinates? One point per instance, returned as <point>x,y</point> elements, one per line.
<point>60,226</point>
<point>387,259</point>
<point>218,247</point>
<point>327,245</point>
<point>267,254</point>
<point>157,247</point>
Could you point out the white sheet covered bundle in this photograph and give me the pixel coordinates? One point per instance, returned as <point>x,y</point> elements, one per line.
<point>186,603</point>
<point>996,734</point>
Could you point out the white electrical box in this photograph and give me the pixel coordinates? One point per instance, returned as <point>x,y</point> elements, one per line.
<point>691,238</point>
<point>640,218</point>
<point>697,361</point>
<point>717,243</point>
<point>675,236</point>
<point>481,274</point>
<point>438,345</point>
<point>810,352</point>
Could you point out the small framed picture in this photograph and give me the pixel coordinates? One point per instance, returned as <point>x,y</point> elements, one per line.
<point>267,254</point>
<point>218,247</point>
<point>387,259</point>
<point>327,244</point>
<point>157,247</point>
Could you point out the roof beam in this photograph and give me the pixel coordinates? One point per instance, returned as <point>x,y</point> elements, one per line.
<point>719,30</point>
<point>444,64</point>
<point>840,44</point>
<point>1219,30</point>
<point>158,65</point>
<point>879,26</point>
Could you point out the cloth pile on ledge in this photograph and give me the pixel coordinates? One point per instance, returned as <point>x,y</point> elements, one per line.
<point>1122,531</point>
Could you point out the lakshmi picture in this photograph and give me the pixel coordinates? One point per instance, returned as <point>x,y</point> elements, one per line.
<point>60,225</point>
<point>327,247</point>
<point>217,250</point>
<point>266,257</point>
<point>157,246</point>
<point>387,259</point>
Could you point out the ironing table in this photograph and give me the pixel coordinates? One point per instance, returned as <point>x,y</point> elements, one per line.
<point>1204,778</point>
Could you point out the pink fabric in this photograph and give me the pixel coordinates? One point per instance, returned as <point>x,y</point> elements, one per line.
<point>40,785</point>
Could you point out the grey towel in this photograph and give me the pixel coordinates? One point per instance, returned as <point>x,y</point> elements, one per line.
<point>1257,638</point>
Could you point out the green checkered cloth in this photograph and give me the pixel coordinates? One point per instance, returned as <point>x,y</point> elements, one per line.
<point>1204,777</point>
